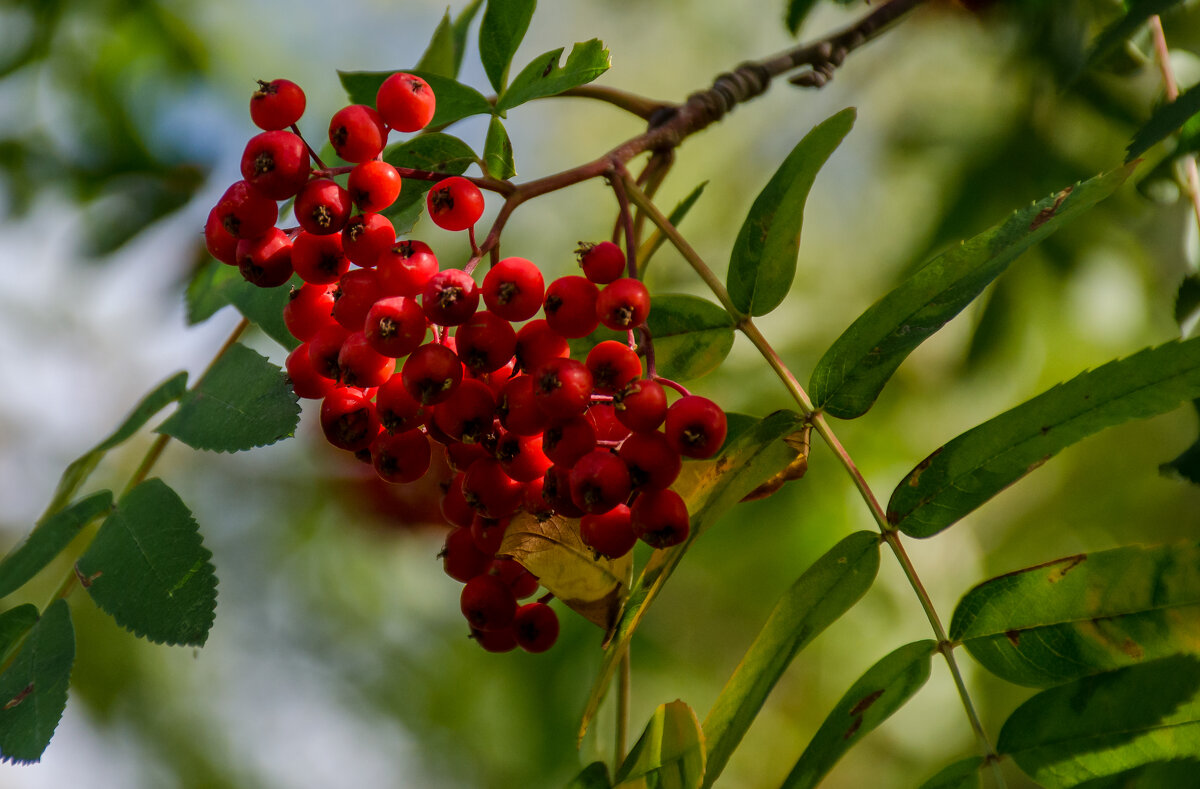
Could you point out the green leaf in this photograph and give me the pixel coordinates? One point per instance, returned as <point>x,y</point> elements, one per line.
<point>797,12</point>
<point>594,776</point>
<point>853,371</point>
<point>455,100</point>
<point>977,465</point>
<point>710,488</point>
<point>504,25</point>
<point>871,700</point>
<point>434,152</point>
<point>33,691</point>
<point>1156,775</point>
<point>1115,35</point>
<point>462,25</point>
<point>652,244</point>
<point>826,590</point>
<point>963,774</point>
<point>14,624</point>
<point>1187,465</point>
<point>763,263</point>
<point>545,77</point>
<point>81,468</point>
<point>148,568</point>
<point>1084,614</point>
<point>1165,121</point>
<point>668,755</point>
<point>242,402</point>
<point>552,549</point>
<point>1107,724</point>
<point>216,285</point>
<point>48,539</point>
<point>444,54</point>
<point>498,151</point>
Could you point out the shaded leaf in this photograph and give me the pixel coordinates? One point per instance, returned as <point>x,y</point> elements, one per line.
<point>1115,35</point>
<point>1156,775</point>
<point>710,488</point>
<point>33,691</point>
<point>852,373</point>
<point>668,755</point>
<point>242,402</point>
<point>1107,724</point>
<point>434,152</point>
<point>763,263</point>
<point>593,587</point>
<point>545,77</point>
<point>963,774</point>
<point>504,25</point>
<point>1187,465</point>
<point>149,570</point>
<point>216,284</point>
<point>455,100</point>
<point>498,151</point>
<point>825,591</point>
<point>871,700</point>
<point>1166,120</point>
<point>797,12</point>
<point>48,539</point>
<point>978,464</point>
<point>14,624</point>
<point>1084,614</point>
<point>594,776</point>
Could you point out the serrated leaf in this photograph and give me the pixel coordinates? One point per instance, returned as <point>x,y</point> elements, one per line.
<point>594,776</point>
<point>710,488</point>
<point>148,568</point>
<point>498,151</point>
<point>504,25</point>
<point>48,539</point>
<point>545,77</point>
<point>852,373</point>
<point>242,402</point>
<point>825,591</point>
<point>1107,724</point>
<point>434,152</point>
<point>882,690</point>
<point>592,586</point>
<point>763,262</point>
<point>1166,120</point>
<point>33,691</point>
<point>454,100</point>
<point>977,465</point>
<point>670,754</point>
<point>963,774</point>
<point>797,12</point>
<point>652,244</point>
<point>217,284</point>
<point>1115,35</point>
<point>1084,614</point>
<point>14,624</point>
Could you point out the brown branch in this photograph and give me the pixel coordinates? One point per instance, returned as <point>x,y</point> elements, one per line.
<point>640,106</point>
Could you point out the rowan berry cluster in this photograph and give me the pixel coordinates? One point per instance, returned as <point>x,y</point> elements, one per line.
<point>405,360</point>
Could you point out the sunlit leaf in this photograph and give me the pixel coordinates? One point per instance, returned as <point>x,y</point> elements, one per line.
<point>33,691</point>
<point>963,774</point>
<point>852,373</point>
<point>504,25</point>
<point>668,755</point>
<point>545,77</point>
<point>498,151</point>
<point>825,591</point>
<point>149,570</point>
<point>885,688</point>
<point>763,263</point>
<point>553,551</point>
<point>242,402</point>
<point>1084,614</point>
<point>48,539</point>
<point>978,464</point>
<point>1108,723</point>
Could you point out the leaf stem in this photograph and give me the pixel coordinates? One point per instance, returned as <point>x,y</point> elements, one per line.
<point>623,696</point>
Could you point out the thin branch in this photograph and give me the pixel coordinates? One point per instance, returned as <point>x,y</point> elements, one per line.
<point>640,106</point>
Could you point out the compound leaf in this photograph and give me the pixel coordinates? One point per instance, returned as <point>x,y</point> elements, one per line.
<point>498,151</point>
<point>48,539</point>
<point>763,263</point>
<point>149,569</point>
<point>885,688</point>
<point>545,77</point>
<point>852,373</point>
<point>504,25</point>
<point>670,754</point>
<point>1107,724</point>
<point>1084,614</point>
<point>977,465</point>
<point>825,591</point>
<point>242,402</point>
<point>33,691</point>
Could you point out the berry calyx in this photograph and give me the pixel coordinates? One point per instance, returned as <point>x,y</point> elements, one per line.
<point>276,163</point>
<point>601,263</point>
<point>322,207</point>
<point>450,297</point>
<point>276,104</point>
<point>624,304</point>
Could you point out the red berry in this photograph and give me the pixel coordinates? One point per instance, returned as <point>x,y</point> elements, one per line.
<point>599,481</point>
<point>398,410</point>
<point>220,242</point>
<point>534,502</point>
<point>401,457</point>
<point>460,456</point>
<point>660,518</point>
<point>309,309</point>
<point>395,326</point>
<point>651,460</point>
<point>485,342</point>
<point>319,259</point>
<point>450,297</point>
<point>355,294</point>
<point>503,640</point>
<point>305,381</point>
<point>567,441</point>
<point>406,102</point>
<point>522,582</point>
<point>556,490</point>
<point>324,347</point>
<point>604,418</point>
<point>602,263</point>
<point>322,207</point>
<point>624,304</point>
<point>518,409</point>
<point>455,507</point>
<point>522,457</point>
<point>490,491</point>
<point>245,212</point>
<point>538,344</point>
<point>367,236</point>
<point>696,426</point>
<point>455,203</point>
<point>488,533</point>
<point>610,533</point>
<point>461,559</point>
<point>570,306</point>
<point>614,365</point>
<point>536,627</point>
<point>361,365</point>
<point>562,388</point>
<point>431,373</point>
<point>276,104</point>
<point>266,261</point>
<point>357,133</point>
<point>374,185</point>
<point>513,289</point>
<point>404,269</point>
<point>276,163</point>
<point>468,413</point>
<point>641,405</point>
<point>348,419</point>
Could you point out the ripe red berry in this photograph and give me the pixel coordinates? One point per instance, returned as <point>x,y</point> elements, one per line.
<point>488,533</point>
<point>245,212</point>
<point>459,456</point>
<point>602,263</point>
<point>276,104</point>
<point>324,347</point>
<point>405,268</point>
<point>522,457</point>
<point>266,261</point>
<point>567,441</point>
<point>517,408</point>
<point>556,490</point>
<point>361,365</point>
<point>374,185</point>
<point>696,426</point>
<point>641,405</point>
<point>614,365</point>
<point>485,342</point>
<point>455,507</point>
<point>538,344</point>
<point>496,641</point>
<point>355,294</point>
<point>348,419</point>
<point>357,133</point>
<point>305,381</point>
<point>395,326</point>
<point>276,163</point>
<point>220,242</point>
<point>604,418</point>
<point>599,481</point>
<point>609,533</point>
<point>522,582</point>
<point>450,297</point>
<point>562,388</point>
<point>514,289</point>
<point>660,518</point>
<point>570,306</point>
<point>536,627</point>
<point>398,410</point>
<point>367,236</point>
<point>469,412</point>
<point>454,203</point>
<point>319,259</point>
<point>401,457</point>
<point>624,304</point>
<point>322,207</point>
<point>309,309</point>
<point>651,460</point>
<point>406,102</point>
<point>431,373</point>
<point>490,491</point>
<point>461,558</point>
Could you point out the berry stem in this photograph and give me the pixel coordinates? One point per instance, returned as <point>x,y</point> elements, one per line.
<point>647,348</point>
<point>625,219</point>
<point>623,696</point>
<point>678,387</point>
<point>640,106</point>
<point>320,164</point>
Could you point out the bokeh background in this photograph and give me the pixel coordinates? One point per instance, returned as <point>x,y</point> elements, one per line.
<point>339,658</point>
